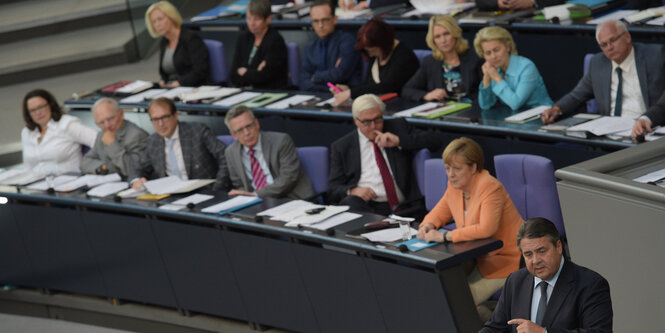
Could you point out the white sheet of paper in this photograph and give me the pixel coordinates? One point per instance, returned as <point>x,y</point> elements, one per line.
<point>651,177</point>
<point>194,198</point>
<point>619,14</point>
<point>134,86</point>
<point>175,92</point>
<point>308,219</point>
<point>237,99</point>
<point>9,176</point>
<point>59,180</point>
<point>142,96</point>
<point>295,212</point>
<point>604,125</point>
<point>659,21</point>
<point>329,101</point>
<point>387,235</point>
<point>107,189</point>
<point>530,113</point>
<point>173,184</point>
<point>560,11</point>
<point>284,208</point>
<point>411,111</point>
<point>286,103</point>
<point>132,193</point>
<point>199,94</point>
<point>171,207</point>
<point>335,220</point>
<point>74,184</point>
<point>103,179</point>
<point>419,244</point>
<point>229,204</point>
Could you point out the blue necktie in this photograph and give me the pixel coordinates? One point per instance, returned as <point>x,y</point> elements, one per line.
<point>174,170</point>
<point>619,99</point>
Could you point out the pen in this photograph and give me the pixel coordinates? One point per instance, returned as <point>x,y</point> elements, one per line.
<point>333,87</point>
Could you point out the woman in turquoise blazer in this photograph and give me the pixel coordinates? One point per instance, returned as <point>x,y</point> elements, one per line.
<point>512,79</point>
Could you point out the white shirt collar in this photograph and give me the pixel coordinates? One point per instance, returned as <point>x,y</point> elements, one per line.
<point>175,135</point>
<point>627,63</point>
<point>257,146</point>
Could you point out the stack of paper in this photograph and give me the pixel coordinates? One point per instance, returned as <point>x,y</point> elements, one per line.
<point>87,180</point>
<point>142,96</point>
<point>387,235</point>
<point>601,126</point>
<point>294,213</point>
<point>182,203</point>
<point>55,182</point>
<point>107,189</point>
<point>232,204</point>
<point>134,87</point>
<point>172,184</point>
<point>208,92</point>
<point>237,99</point>
<point>526,116</point>
<point>19,177</point>
<point>288,102</point>
<point>419,108</point>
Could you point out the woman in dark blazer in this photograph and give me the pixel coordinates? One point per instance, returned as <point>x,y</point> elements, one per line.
<point>260,59</point>
<point>451,72</point>
<point>183,57</point>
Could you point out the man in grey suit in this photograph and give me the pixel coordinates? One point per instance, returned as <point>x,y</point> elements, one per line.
<point>636,71</point>
<point>654,117</point>
<point>184,150</point>
<point>263,163</point>
<point>119,143</point>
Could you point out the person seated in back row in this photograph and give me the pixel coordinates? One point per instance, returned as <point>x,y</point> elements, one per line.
<point>331,57</point>
<point>263,163</point>
<point>371,167</point>
<point>260,59</point>
<point>180,149</point>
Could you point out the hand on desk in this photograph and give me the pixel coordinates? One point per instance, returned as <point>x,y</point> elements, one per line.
<point>437,94</point>
<point>526,326</point>
<point>428,233</point>
<point>138,184</point>
<point>386,140</point>
<point>364,193</point>
<point>641,127</point>
<point>549,115</point>
<point>342,96</point>
<point>234,193</point>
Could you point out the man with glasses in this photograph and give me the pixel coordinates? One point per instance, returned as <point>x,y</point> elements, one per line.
<point>119,143</point>
<point>184,150</point>
<point>263,163</point>
<point>332,56</point>
<point>625,79</point>
<point>371,167</point>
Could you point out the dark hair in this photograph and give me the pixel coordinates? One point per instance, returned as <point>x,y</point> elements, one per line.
<point>375,33</point>
<point>56,111</point>
<point>328,3</point>
<point>164,102</point>
<point>259,7</point>
<point>237,111</point>
<point>537,227</point>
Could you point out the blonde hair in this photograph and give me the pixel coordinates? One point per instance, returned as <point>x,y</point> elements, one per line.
<point>366,102</point>
<point>467,149</point>
<point>493,33</point>
<point>461,45</point>
<point>168,9</point>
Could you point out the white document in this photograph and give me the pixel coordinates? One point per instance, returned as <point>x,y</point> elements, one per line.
<point>560,11</point>
<point>387,235</point>
<point>175,92</point>
<point>73,184</point>
<point>411,111</point>
<point>142,96</point>
<point>284,208</point>
<point>651,177</point>
<point>335,220</point>
<point>295,211</point>
<point>438,7</point>
<point>618,15</point>
<point>528,114</point>
<point>136,86</point>
<point>194,198</point>
<point>659,21</point>
<point>286,103</point>
<point>173,184</point>
<point>171,207</point>
<point>103,179</point>
<point>237,99</point>
<point>350,14</point>
<point>18,177</point>
<point>604,125</point>
<point>329,101</point>
<point>229,204</point>
<point>107,189</point>
<point>307,219</point>
<point>200,94</point>
<point>132,193</point>
<point>59,180</point>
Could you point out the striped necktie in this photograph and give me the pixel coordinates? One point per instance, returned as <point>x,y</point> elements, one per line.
<point>258,177</point>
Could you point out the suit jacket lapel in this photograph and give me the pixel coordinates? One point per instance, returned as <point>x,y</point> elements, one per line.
<point>236,164</point>
<point>160,157</point>
<point>559,294</point>
<point>266,147</point>
<point>354,154</point>
<point>523,304</point>
<point>641,67</point>
<point>606,79</point>
<point>186,147</point>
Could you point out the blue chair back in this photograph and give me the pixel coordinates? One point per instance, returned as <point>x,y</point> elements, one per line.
<point>315,162</point>
<point>419,167</point>
<point>293,54</point>
<point>530,182</point>
<point>436,182</point>
<point>227,139</point>
<point>421,54</point>
<point>591,105</point>
<point>218,71</point>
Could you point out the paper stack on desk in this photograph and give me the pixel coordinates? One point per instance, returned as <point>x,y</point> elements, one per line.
<point>107,189</point>
<point>526,116</point>
<point>294,213</point>
<point>172,184</point>
<point>232,204</point>
<point>19,177</point>
<point>601,126</point>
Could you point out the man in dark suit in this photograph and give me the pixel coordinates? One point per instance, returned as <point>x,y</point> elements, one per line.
<point>185,150</point>
<point>551,294</point>
<point>634,70</point>
<point>654,117</point>
<point>365,180</point>
<point>263,163</point>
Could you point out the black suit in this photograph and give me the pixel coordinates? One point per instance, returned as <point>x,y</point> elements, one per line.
<point>274,75</point>
<point>190,58</point>
<point>656,112</point>
<point>489,5</point>
<point>580,302</point>
<point>430,76</point>
<point>345,159</point>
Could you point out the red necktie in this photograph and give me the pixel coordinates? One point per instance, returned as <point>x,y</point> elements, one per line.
<point>387,178</point>
<point>258,178</point>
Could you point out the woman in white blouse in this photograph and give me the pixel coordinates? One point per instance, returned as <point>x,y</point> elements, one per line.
<point>51,140</point>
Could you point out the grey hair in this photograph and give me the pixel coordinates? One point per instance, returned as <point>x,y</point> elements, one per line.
<point>111,101</point>
<point>617,24</point>
<point>366,102</point>
<point>236,112</point>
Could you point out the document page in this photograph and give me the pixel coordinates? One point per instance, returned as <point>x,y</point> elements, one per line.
<point>173,184</point>
<point>142,96</point>
<point>307,219</point>
<point>237,99</point>
<point>651,177</point>
<point>335,220</point>
<point>232,203</point>
<point>286,103</point>
<point>411,111</point>
<point>527,115</point>
<point>387,235</point>
<point>285,208</point>
<point>44,184</point>
<point>604,125</point>
<point>107,189</point>
<point>194,198</point>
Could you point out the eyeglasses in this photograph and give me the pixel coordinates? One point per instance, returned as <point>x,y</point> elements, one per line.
<point>156,120</point>
<point>108,120</point>
<point>367,122</point>
<point>611,41</point>
<point>251,126</point>
<point>39,108</point>
<point>324,21</point>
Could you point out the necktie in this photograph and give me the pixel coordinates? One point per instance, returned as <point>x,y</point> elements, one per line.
<point>617,105</point>
<point>258,177</point>
<point>387,178</point>
<point>174,170</point>
<point>542,305</point>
